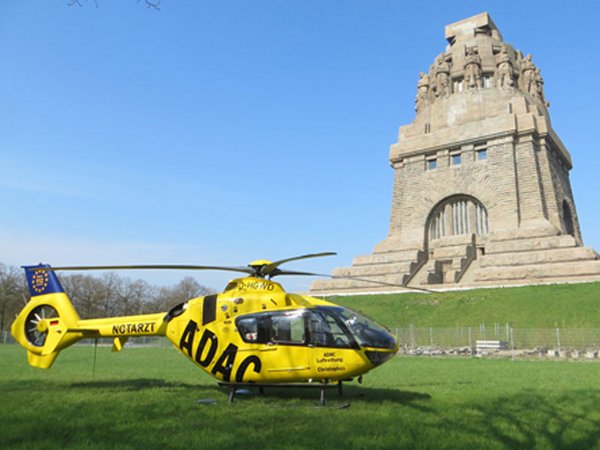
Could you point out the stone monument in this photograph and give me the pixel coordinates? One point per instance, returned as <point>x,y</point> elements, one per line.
<point>481,192</point>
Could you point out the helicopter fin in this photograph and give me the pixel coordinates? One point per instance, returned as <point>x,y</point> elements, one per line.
<point>42,362</point>
<point>119,343</point>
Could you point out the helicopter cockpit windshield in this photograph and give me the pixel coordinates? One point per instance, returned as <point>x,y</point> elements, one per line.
<point>366,332</point>
<point>323,326</point>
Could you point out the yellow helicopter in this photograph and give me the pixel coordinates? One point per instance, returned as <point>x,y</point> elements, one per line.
<point>252,334</point>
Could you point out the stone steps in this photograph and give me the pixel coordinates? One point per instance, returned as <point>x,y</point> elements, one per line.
<point>449,272</point>
<point>338,285</point>
<point>453,252</point>
<point>385,267</point>
<point>527,245</point>
<point>527,260</point>
<point>538,257</point>
<point>524,233</point>
<point>375,269</point>
<point>532,272</point>
<point>388,257</point>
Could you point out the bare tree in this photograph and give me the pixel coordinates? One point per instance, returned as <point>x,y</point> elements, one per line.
<point>134,296</point>
<point>87,294</point>
<point>185,290</point>
<point>105,296</point>
<point>12,295</point>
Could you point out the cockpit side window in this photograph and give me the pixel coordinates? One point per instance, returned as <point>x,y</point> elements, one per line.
<point>230,286</point>
<point>248,328</point>
<point>288,328</point>
<point>325,331</point>
<point>280,327</point>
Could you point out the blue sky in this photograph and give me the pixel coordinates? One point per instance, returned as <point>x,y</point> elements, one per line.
<point>227,131</point>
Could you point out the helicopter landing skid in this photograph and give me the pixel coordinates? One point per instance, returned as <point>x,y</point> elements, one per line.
<point>234,387</point>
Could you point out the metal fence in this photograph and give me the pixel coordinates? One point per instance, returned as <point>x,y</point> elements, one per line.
<point>550,342</point>
<point>6,338</point>
<point>141,341</point>
<point>513,342</point>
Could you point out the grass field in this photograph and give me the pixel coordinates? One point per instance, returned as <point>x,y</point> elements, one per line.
<point>147,398</point>
<point>550,306</point>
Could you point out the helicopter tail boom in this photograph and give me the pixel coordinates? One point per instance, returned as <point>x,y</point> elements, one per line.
<point>49,323</point>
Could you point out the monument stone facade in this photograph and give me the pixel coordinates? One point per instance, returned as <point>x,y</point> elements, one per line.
<point>481,191</point>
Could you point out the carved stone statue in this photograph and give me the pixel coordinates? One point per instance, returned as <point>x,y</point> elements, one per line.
<point>422,90</point>
<point>539,87</point>
<point>528,83</point>
<point>473,76</point>
<point>504,69</point>
<point>442,78</point>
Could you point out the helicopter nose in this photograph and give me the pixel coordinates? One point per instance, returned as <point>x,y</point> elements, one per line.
<point>378,358</point>
<point>385,352</point>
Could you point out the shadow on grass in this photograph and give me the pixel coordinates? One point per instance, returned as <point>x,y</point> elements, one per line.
<point>349,394</point>
<point>536,420</point>
<point>283,397</point>
<point>136,384</point>
<point>129,384</point>
<point>364,394</point>
<point>133,413</point>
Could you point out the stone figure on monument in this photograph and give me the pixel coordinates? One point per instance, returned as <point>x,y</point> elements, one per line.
<point>422,91</point>
<point>539,87</point>
<point>442,78</point>
<point>528,83</point>
<point>504,70</point>
<point>472,69</point>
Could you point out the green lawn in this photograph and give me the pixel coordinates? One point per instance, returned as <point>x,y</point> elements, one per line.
<point>147,398</point>
<point>550,306</point>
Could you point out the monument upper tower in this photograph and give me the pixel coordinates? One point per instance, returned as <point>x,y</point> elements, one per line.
<point>481,180</point>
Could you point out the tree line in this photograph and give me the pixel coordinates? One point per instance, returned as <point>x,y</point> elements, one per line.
<point>103,296</point>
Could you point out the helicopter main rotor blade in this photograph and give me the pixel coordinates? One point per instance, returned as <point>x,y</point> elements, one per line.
<point>364,280</point>
<point>279,272</point>
<point>383,283</point>
<point>268,269</point>
<point>246,270</point>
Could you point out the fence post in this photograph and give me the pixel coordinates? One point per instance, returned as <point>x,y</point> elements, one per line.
<point>558,340</point>
<point>512,343</point>
<point>470,341</point>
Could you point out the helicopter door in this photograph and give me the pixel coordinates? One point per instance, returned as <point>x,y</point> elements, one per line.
<point>286,355</point>
<point>326,330</point>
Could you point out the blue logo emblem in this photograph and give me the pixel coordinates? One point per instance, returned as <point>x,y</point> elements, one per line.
<point>39,281</point>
